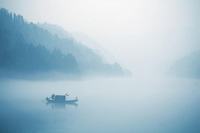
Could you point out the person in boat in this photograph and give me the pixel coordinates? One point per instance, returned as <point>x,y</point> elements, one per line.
<point>53,96</point>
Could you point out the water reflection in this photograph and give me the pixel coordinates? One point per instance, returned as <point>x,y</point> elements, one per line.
<point>61,105</point>
<point>113,107</point>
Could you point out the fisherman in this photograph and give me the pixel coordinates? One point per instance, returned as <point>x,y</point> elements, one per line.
<point>53,96</point>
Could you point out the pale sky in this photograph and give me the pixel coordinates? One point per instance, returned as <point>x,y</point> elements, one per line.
<point>143,35</point>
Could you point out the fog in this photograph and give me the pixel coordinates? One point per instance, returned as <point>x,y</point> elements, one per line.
<point>108,105</point>
<point>144,36</point>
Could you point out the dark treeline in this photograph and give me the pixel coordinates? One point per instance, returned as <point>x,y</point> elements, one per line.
<point>17,54</point>
<point>27,47</point>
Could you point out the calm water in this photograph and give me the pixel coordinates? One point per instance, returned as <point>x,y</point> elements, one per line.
<point>105,106</point>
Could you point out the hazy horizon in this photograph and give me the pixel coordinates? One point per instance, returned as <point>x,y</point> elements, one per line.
<point>144,36</point>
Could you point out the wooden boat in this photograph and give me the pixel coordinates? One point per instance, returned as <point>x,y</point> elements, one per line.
<point>61,99</point>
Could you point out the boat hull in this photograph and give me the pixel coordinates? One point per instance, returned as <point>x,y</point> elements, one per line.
<point>66,101</point>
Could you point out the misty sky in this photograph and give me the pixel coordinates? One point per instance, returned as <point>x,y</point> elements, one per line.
<point>143,35</point>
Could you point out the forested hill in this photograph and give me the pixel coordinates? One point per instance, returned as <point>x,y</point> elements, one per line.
<point>27,48</point>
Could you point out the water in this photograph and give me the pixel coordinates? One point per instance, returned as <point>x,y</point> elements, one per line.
<point>105,106</point>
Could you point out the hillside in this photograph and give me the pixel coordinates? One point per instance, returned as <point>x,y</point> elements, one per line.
<point>26,47</point>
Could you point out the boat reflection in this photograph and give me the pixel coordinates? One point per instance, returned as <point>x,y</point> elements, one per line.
<point>60,105</point>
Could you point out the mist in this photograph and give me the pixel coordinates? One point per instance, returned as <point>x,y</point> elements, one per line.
<point>99,66</point>
<point>146,37</point>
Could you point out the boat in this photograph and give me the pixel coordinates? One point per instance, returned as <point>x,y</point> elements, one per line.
<point>61,99</point>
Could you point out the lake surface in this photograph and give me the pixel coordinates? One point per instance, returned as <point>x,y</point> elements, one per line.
<point>105,106</point>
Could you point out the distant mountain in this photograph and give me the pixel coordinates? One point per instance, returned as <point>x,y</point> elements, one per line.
<point>28,47</point>
<point>188,66</point>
